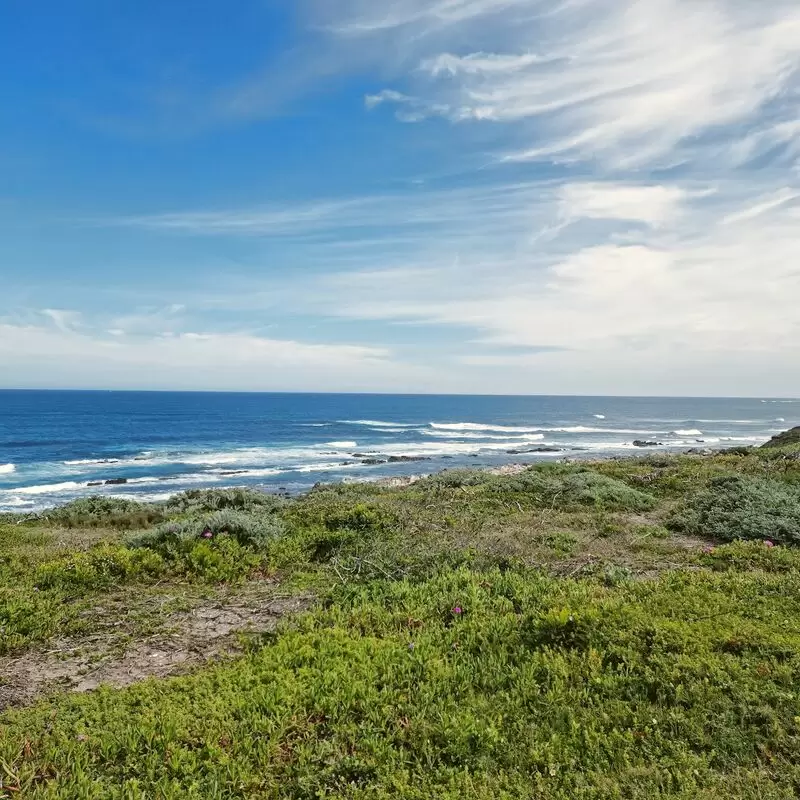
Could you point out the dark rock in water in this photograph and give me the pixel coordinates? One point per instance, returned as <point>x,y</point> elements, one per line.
<point>449,458</point>
<point>373,461</point>
<point>116,482</point>
<point>406,459</point>
<point>95,483</point>
<point>785,439</point>
<point>526,450</point>
<point>234,472</point>
<point>642,443</point>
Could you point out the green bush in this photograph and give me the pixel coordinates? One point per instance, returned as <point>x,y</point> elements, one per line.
<point>201,501</point>
<point>741,507</point>
<point>359,517</point>
<point>104,512</point>
<point>254,531</point>
<point>455,479</point>
<point>559,486</point>
<point>745,556</point>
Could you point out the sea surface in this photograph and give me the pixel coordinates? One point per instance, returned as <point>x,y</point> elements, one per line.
<point>54,444</point>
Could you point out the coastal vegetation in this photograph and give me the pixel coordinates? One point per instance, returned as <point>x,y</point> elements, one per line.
<point>621,629</point>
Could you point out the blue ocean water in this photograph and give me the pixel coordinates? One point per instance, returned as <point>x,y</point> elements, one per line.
<point>54,444</point>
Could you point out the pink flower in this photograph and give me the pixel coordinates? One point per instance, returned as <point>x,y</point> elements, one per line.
<point>768,543</point>
<point>207,534</point>
<point>708,550</point>
<point>458,610</point>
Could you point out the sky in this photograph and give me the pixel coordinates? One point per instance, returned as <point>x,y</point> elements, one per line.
<point>481,196</point>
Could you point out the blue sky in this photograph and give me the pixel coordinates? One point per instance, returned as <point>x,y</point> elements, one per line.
<point>514,196</point>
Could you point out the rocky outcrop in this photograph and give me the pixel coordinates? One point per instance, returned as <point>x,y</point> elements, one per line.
<point>785,439</point>
<point>642,443</point>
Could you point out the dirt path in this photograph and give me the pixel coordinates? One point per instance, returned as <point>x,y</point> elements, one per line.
<point>183,640</point>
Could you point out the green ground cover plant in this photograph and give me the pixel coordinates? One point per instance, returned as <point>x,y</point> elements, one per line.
<point>568,631</point>
<point>472,684</point>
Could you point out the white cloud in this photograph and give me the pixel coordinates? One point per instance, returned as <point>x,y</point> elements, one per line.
<point>652,204</point>
<point>763,206</point>
<point>40,355</point>
<point>623,81</point>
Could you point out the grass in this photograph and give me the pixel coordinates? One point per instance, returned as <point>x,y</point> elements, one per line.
<point>574,631</point>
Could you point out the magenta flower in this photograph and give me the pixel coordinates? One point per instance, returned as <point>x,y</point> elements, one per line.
<point>768,543</point>
<point>458,610</point>
<point>708,550</point>
<point>207,534</point>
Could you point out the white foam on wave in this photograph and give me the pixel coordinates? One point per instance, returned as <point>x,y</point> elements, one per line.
<point>49,488</point>
<point>475,426</point>
<point>599,416</point>
<point>324,467</point>
<point>149,497</point>
<point>527,437</point>
<point>7,469</point>
<point>439,448</point>
<point>376,423</point>
<point>690,432</point>
<point>244,473</point>
<point>732,421</point>
<point>341,444</point>
<point>15,502</point>
<point>588,429</point>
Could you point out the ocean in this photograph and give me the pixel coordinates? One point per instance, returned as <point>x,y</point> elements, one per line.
<point>56,446</point>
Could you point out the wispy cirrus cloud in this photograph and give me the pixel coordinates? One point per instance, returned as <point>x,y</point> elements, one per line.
<point>627,83</point>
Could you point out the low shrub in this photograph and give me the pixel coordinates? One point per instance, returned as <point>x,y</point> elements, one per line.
<point>742,556</point>
<point>455,479</point>
<point>559,486</point>
<point>254,531</point>
<point>741,507</point>
<point>201,501</point>
<point>104,512</point>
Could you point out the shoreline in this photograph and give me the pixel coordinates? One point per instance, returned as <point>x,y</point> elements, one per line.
<point>386,481</point>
